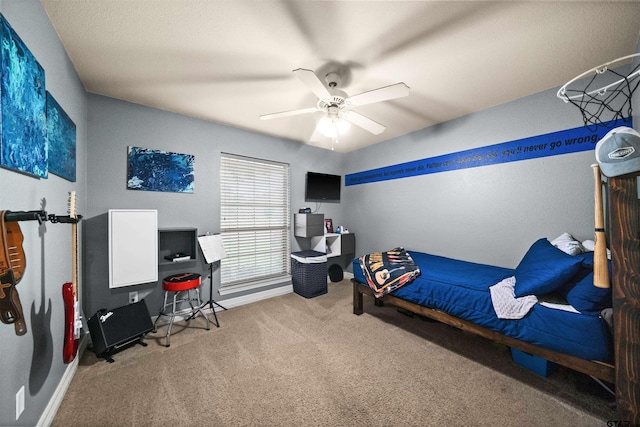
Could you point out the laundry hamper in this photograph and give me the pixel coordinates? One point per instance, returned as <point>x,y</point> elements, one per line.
<point>309,273</point>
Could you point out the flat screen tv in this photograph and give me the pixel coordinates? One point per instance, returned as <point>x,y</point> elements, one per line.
<point>322,187</point>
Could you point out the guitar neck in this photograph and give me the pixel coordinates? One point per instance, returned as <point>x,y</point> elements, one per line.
<point>73,219</point>
<point>74,258</point>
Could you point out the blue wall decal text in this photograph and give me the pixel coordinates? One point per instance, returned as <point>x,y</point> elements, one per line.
<point>551,144</point>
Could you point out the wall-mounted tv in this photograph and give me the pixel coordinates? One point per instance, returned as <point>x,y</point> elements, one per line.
<point>322,187</point>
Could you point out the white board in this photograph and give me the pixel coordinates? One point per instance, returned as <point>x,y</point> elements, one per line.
<point>133,247</point>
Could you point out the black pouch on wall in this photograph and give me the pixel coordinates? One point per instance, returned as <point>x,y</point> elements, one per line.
<point>113,330</point>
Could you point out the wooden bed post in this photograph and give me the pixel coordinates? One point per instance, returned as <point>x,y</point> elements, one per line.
<point>624,240</point>
<point>358,307</point>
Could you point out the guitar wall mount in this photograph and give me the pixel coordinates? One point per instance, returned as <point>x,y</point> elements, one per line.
<point>40,216</point>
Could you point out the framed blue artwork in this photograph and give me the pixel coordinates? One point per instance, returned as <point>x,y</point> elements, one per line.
<point>23,143</point>
<point>153,170</point>
<point>61,141</point>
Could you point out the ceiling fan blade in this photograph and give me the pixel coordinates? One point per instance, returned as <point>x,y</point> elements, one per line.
<point>288,113</point>
<point>312,81</point>
<point>363,122</point>
<point>397,90</point>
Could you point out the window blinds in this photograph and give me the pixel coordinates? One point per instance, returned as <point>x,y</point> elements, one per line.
<point>254,215</point>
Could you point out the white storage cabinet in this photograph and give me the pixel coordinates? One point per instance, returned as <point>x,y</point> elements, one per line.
<point>133,247</point>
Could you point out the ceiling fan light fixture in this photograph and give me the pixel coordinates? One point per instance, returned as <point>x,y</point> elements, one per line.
<point>336,104</point>
<point>331,127</point>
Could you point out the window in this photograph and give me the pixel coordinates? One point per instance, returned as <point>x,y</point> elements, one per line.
<point>254,222</point>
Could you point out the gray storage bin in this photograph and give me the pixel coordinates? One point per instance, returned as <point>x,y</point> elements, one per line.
<point>309,273</point>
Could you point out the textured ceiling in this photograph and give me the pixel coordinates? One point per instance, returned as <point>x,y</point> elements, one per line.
<point>232,61</point>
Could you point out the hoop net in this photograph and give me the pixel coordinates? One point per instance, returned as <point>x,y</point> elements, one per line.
<point>603,94</point>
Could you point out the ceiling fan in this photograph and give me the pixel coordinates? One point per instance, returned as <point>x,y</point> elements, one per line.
<point>337,105</point>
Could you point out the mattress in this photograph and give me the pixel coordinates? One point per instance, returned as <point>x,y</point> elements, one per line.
<point>461,289</point>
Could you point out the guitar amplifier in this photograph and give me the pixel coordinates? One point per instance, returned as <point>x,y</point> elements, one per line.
<point>113,329</point>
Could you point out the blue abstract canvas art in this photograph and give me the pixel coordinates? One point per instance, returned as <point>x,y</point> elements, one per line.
<point>23,143</point>
<point>61,141</point>
<point>154,170</point>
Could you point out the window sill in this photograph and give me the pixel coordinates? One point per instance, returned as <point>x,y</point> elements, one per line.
<point>235,289</point>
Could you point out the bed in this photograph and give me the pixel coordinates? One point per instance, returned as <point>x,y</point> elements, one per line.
<point>623,228</point>
<point>459,293</point>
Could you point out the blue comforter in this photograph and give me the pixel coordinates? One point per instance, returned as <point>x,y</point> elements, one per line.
<point>461,289</point>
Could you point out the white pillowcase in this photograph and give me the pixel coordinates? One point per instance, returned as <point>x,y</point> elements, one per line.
<point>568,244</point>
<point>589,246</point>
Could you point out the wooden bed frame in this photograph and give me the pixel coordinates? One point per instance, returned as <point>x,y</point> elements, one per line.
<point>623,210</point>
<point>600,370</point>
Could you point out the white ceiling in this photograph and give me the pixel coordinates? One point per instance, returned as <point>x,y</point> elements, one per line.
<point>229,61</point>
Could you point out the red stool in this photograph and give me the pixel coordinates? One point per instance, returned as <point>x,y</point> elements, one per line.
<point>179,284</point>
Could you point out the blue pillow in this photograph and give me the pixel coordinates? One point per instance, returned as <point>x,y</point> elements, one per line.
<point>544,269</point>
<point>587,298</point>
<point>586,258</point>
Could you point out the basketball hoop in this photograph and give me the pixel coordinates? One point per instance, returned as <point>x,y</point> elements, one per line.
<point>603,94</point>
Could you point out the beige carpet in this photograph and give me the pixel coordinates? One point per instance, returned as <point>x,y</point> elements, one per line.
<point>291,361</point>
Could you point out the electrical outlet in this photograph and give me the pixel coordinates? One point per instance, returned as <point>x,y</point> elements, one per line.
<point>19,402</point>
<point>133,297</point>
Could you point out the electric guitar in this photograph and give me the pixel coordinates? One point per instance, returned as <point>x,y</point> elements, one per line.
<point>72,318</point>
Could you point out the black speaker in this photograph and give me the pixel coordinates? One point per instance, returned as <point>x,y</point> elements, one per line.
<point>113,329</point>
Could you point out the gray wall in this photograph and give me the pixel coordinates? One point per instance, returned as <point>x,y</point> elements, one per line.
<point>489,214</point>
<point>34,360</point>
<point>114,125</point>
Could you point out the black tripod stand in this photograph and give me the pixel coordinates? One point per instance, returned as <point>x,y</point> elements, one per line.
<point>213,251</point>
<point>211,301</point>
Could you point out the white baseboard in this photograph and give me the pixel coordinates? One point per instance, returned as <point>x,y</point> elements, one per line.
<point>235,302</point>
<point>50,411</point>
<point>255,297</point>
<point>247,299</point>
